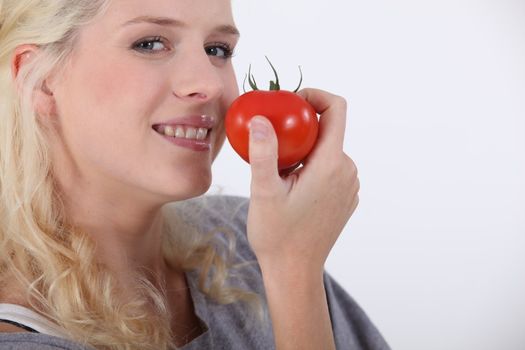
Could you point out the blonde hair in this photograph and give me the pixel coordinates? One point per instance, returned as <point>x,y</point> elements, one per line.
<point>51,259</point>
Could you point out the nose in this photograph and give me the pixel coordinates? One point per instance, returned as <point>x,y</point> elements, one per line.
<point>197,79</point>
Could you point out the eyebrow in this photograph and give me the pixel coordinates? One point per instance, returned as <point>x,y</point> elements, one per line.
<point>166,21</point>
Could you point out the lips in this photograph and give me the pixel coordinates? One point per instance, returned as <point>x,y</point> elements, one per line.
<point>195,121</point>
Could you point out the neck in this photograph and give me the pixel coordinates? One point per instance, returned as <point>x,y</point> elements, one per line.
<point>126,229</point>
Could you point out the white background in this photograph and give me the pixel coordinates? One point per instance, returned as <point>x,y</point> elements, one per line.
<point>435,252</point>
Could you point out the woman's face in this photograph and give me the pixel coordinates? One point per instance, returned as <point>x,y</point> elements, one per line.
<point>143,71</point>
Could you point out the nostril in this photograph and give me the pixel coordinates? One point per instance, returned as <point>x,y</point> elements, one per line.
<point>193,95</point>
<point>199,95</point>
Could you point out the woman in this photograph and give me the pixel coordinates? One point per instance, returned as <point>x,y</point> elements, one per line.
<point>111,115</point>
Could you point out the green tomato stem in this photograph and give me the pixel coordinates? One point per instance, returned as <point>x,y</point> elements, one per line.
<point>251,79</point>
<point>274,85</point>
<point>244,83</point>
<point>300,81</point>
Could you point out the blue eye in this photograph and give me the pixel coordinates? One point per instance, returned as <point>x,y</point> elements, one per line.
<point>220,50</point>
<point>150,45</point>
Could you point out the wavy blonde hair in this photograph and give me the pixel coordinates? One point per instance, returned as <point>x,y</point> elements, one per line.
<point>52,260</point>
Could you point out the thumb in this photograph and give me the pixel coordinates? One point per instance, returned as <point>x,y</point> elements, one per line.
<point>263,156</point>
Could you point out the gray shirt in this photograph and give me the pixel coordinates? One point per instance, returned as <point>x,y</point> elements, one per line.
<point>233,326</point>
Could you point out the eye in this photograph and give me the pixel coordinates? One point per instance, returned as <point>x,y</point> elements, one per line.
<point>150,45</point>
<point>221,50</point>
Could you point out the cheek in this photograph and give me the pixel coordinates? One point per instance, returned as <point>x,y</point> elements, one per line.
<point>104,108</point>
<point>107,99</point>
<point>230,93</point>
<point>110,87</point>
<point>219,141</point>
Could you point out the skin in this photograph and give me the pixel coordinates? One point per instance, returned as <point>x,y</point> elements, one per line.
<point>116,172</point>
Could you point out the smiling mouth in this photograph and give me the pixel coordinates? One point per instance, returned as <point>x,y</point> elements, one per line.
<point>185,136</point>
<point>182,131</point>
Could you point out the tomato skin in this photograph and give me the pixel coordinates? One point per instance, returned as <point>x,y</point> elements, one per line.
<point>293,118</point>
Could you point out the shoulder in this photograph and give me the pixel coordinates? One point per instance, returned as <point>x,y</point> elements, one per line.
<point>215,208</point>
<point>223,215</point>
<point>23,341</point>
<point>352,327</point>
<point>214,212</point>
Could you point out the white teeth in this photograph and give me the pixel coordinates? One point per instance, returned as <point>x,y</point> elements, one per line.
<point>180,132</point>
<point>168,131</point>
<point>201,133</point>
<point>186,132</point>
<point>191,133</point>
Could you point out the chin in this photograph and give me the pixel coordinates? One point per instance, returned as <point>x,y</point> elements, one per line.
<point>189,188</point>
<point>200,190</point>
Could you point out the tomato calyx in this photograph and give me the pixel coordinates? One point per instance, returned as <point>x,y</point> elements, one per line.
<point>274,85</point>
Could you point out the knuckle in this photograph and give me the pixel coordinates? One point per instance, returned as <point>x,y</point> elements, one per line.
<point>350,166</point>
<point>351,179</point>
<point>342,171</point>
<point>340,102</point>
<point>263,158</point>
<point>355,204</point>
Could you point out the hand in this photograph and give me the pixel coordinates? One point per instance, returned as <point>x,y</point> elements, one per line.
<point>295,219</point>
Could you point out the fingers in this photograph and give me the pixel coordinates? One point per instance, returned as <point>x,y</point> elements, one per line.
<point>332,122</point>
<point>355,203</point>
<point>356,184</point>
<point>263,156</point>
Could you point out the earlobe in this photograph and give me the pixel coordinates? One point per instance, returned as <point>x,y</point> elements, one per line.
<point>44,102</point>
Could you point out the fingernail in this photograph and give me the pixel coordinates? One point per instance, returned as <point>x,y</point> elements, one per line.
<point>258,129</point>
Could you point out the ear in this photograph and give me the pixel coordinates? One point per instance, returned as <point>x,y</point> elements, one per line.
<point>22,55</point>
<point>44,102</point>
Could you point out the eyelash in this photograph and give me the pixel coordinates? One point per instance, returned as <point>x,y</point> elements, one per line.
<point>137,45</point>
<point>228,51</point>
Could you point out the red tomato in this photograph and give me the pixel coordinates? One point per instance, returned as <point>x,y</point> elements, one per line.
<point>293,118</point>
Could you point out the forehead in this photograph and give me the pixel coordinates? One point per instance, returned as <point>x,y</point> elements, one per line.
<point>190,12</point>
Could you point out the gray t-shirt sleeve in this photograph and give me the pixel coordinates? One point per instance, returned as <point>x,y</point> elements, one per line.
<point>351,326</point>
